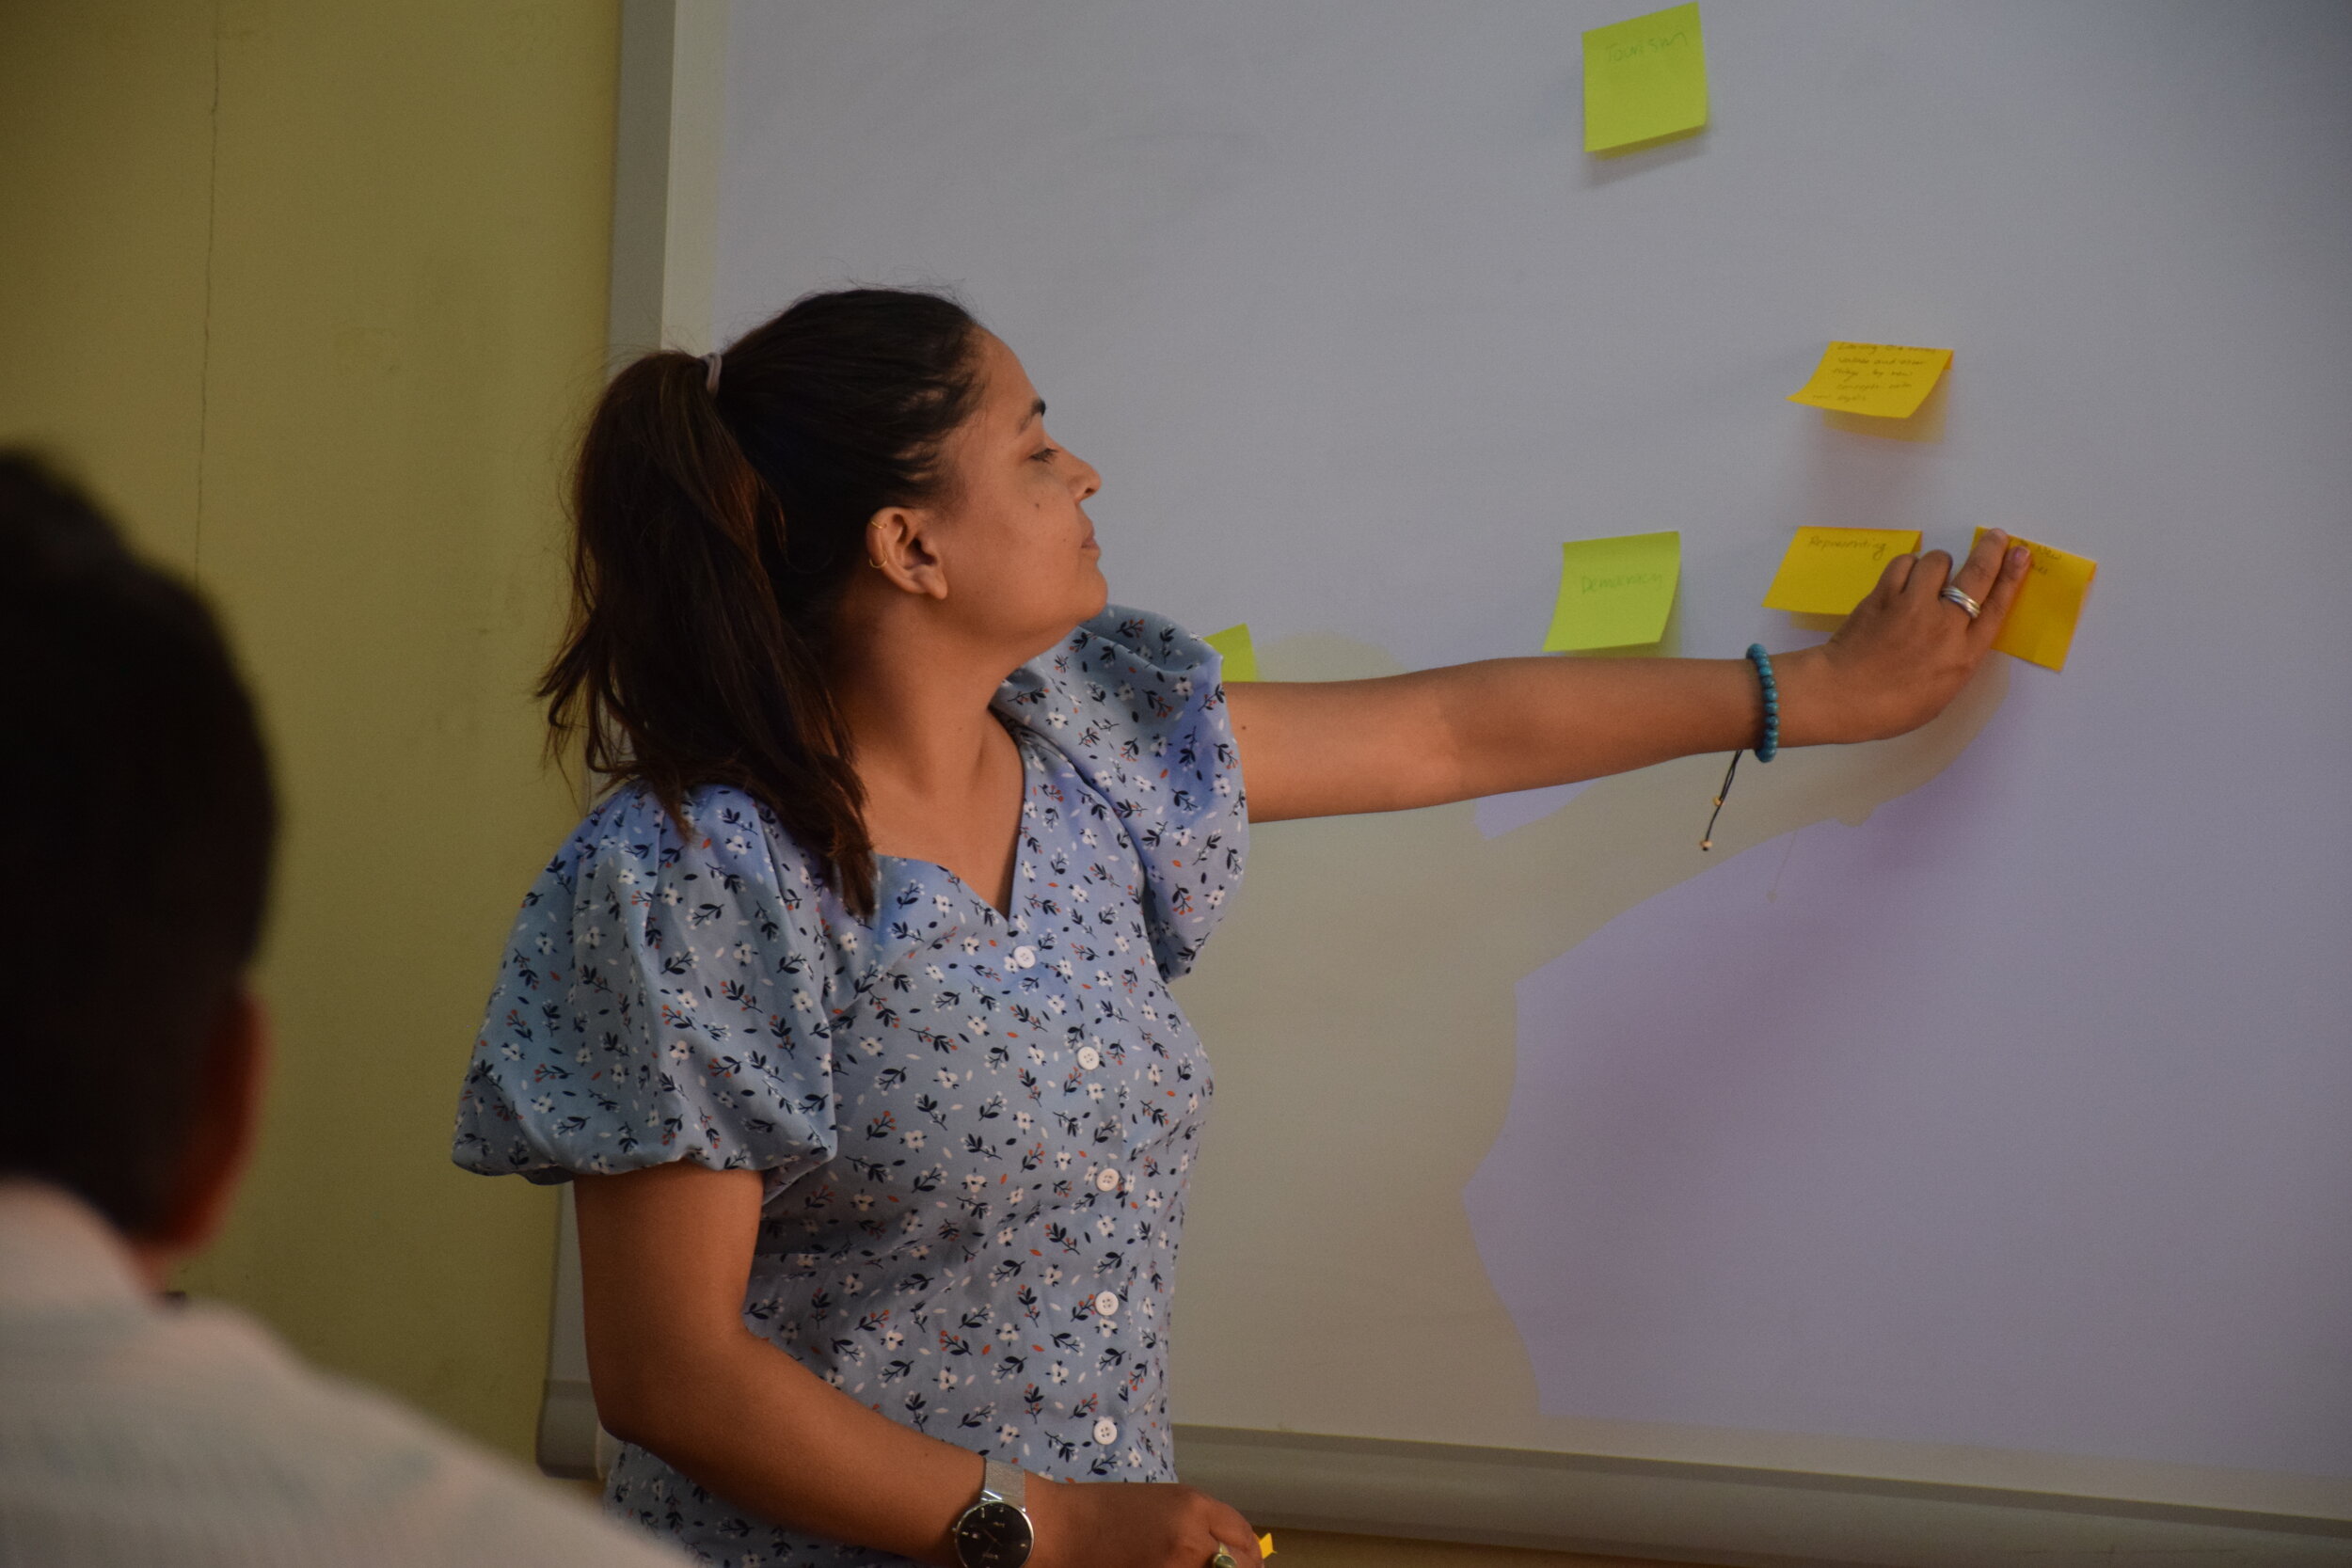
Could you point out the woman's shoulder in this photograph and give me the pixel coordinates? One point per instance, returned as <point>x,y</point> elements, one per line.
<point>1127,662</point>
<point>724,829</point>
<point>1135,704</point>
<point>1127,641</point>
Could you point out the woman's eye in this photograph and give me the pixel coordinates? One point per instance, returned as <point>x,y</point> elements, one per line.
<point>1046,454</point>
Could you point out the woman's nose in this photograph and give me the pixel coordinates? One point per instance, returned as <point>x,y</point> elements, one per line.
<point>1088,480</point>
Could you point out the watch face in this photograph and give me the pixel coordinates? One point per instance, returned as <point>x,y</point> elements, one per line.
<point>993,1534</point>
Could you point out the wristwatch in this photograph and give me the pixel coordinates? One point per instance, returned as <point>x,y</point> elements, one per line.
<point>994,1531</point>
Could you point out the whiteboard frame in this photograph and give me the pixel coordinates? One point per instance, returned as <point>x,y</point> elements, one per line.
<point>668,117</point>
<point>666,183</point>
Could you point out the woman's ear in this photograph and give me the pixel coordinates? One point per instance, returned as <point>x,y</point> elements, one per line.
<point>901,544</point>
<point>228,1094</point>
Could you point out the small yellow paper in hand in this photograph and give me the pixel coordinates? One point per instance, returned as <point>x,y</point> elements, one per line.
<point>1828,571</point>
<point>2040,625</point>
<point>1644,79</point>
<point>1887,381</point>
<point>1614,592</point>
<point>1265,1545</point>
<point>1241,658</point>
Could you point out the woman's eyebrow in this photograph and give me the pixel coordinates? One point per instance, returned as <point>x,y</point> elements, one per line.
<point>1036,411</point>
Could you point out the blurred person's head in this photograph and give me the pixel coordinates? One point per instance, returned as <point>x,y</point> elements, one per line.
<point>136,821</point>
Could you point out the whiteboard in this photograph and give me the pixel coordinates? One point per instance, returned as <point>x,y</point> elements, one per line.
<point>1970,1127</point>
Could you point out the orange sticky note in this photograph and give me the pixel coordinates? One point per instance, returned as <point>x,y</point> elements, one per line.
<point>1265,1545</point>
<point>2040,625</point>
<point>1828,571</point>
<point>1887,381</point>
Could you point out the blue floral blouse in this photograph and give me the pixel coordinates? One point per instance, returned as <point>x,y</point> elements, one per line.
<point>975,1129</point>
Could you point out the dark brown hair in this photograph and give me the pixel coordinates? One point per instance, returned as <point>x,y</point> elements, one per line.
<point>714,533</point>
<point>141,824</point>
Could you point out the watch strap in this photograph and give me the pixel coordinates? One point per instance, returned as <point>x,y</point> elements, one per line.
<point>1008,1482</point>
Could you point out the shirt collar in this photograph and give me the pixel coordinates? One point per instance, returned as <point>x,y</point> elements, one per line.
<point>56,1251</point>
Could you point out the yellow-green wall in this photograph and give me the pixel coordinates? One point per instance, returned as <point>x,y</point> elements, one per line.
<point>312,296</point>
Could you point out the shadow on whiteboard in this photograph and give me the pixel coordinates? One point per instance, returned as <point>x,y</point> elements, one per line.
<point>1498,815</point>
<point>1607,169</point>
<point>1360,1003</point>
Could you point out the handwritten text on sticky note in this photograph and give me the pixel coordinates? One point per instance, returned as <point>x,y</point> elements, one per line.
<point>2040,625</point>
<point>1644,79</point>
<point>1828,571</point>
<point>1887,381</point>
<point>1614,592</point>
<point>1241,658</point>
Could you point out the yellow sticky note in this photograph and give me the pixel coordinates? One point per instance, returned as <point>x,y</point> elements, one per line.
<point>1644,79</point>
<point>1887,381</point>
<point>2040,625</point>
<point>1828,571</point>
<point>1614,592</point>
<point>1241,658</point>
<point>1265,1545</point>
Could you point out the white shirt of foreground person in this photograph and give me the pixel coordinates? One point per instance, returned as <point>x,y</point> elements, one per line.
<point>136,1433</point>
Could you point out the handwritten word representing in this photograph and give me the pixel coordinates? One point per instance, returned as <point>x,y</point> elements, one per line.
<point>1828,571</point>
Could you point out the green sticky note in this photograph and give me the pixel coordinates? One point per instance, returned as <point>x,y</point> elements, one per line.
<point>1614,592</point>
<point>1241,658</point>
<point>1644,79</point>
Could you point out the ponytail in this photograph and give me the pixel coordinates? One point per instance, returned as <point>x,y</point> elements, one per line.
<point>719,510</point>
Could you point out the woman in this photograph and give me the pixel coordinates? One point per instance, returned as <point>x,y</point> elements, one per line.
<point>847,1008</point>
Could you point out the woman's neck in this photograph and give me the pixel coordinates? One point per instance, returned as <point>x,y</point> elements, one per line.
<point>943,777</point>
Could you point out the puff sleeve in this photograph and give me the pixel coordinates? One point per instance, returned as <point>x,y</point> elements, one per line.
<point>663,997</point>
<point>1138,706</point>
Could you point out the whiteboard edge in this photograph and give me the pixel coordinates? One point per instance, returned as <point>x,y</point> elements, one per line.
<point>1722,1514</point>
<point>669,113</point>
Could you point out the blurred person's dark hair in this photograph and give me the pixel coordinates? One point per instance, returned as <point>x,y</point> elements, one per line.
<point>139,821</point>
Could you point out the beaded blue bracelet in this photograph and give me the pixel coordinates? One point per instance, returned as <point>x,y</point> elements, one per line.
<point>1766,746</point>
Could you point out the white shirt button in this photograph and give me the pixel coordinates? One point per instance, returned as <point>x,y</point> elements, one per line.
<point>1106,1180</point>
<point>1025,957</point>
<point>1107,1430</point>
<point>1089,1057</point>
<point>1107,1302</point>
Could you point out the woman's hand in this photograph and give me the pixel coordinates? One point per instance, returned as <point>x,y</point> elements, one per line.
<point>1133,1525</point>
<point>1904,653</point>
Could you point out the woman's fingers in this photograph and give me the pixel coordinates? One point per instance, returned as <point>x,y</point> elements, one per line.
<point>1929,577</point>
<point>1235,1534</point>
<point>1983,566</point>
<point>2014,566</point>
<point>1897,574</point>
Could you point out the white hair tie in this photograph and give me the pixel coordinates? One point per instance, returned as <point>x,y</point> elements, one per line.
<point>711,382</point>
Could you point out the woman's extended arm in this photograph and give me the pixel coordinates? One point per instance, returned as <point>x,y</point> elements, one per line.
<point>665,1257</point>
<point>1329,748</point>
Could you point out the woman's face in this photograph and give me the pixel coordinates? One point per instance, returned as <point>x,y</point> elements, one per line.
<point>1011,534</point>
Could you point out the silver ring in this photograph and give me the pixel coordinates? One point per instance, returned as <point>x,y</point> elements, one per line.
<point>1223,1559</point>
<point>1951,595</point>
